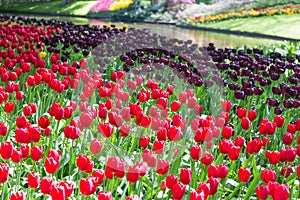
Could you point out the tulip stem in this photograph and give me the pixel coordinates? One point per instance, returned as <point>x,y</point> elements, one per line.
<point>71,161</point>
<point>153,182</point>
<point>18,176</point>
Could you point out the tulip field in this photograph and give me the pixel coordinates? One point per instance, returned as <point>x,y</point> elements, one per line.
<point>102,112</point>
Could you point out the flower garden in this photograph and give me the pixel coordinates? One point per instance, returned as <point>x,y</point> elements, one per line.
<point>90,112</point>
<point>284,10</point>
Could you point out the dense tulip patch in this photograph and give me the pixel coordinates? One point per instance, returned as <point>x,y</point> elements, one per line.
<point>91,112</point>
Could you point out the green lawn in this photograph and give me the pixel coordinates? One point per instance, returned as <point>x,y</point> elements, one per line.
<point>53,7</point>
<point>280,25</point>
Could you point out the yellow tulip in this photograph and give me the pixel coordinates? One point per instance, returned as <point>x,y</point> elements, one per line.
<point>42,54</point>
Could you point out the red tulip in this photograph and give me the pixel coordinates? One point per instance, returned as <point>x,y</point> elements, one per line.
<point>87,186</point>
<point>291,128</point>
<point>96,146</point>
<point>33,179</point>
<point>241,112</point>
<point>4,172</point>
<point>162,103</point>
<point>224,146</point>
<point>16,156</point>
<point>133,174</point>
<point>144,95</point>
<point>17,196</point>
<point>298,171</point>
<point>144,141</point>
<point>182,97</point>
<point>185,176</point>
<point>171,180</point>
<point>125,130</point>
<point>162,166</point>
<point>262,192</point>
<point>19,95</point>
<point>6,150</point>
<point>234,152</point>
<point>158,146</point>
<point>281,192</point>
<point>9,107</point>
<point>104,195</point>
<point>192,102</point>
<point>195,152</point>
<point>288,138</point>
<point>226,105</point>
<point>175,105</point>
<point>44,122</point>
<point>273,157</point>
<point>102,111</point>
<point>279,120</point>
<point>198,109</point>
<point>239,141</point>
<point>268,175</point>
<point>207,159</point>
<point>174,134</point>
<point>21,122</point>
<point>84,163</point>
<point>196,196</point>
<point>99,175</point>
<point>227,132</point>
<point>222,171</point>
<point>106,129</point>
<point>58,192</point>
<point>298,124</point>
<point>212,171</point>
<point>286,171</point>
<point>204,188</point>
<point>27,111</point>
<point>177,120</point>
<point>178,190</point>
<point>291,154</point>
<point>51,165</point>
<point>36,153</point>
<point>132,197</point>
<point>245,123</point>
<point>244,174</point>
<point>254,146</point>
<point>3,129</point>
<point>213,185</point>
<point>46,185</point>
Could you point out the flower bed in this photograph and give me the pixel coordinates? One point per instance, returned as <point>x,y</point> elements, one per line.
<point>110,5</point>
<point>91,112</point>
<point>288,10</point>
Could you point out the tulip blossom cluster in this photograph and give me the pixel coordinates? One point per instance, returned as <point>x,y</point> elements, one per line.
<point>71,128</point>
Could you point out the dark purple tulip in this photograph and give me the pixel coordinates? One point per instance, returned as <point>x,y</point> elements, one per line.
<point>293,80</point>
<point>274,76</point>
<point>239,94</point>
<point>258,91</point>
<point>276,90</point>
<point>278,111</point>
<point>249,91</point>
<point>296,104</point>
<point>287,104</point>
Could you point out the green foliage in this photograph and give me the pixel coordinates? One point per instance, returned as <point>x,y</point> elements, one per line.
<point>203,1</point>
